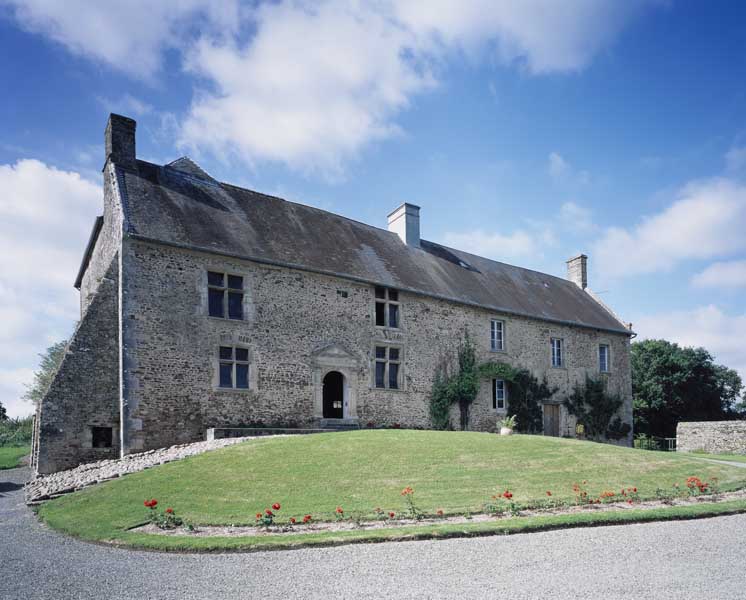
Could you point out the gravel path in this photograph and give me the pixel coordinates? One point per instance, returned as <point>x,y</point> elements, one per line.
<point>684,559</point>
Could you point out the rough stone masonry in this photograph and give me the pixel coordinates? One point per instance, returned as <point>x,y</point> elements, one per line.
<point>207,305</point>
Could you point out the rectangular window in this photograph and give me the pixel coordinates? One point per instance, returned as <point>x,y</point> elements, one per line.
<point>233,367</point>
<point>497,342</point>
<point>558,352</point>
<point>603,358</point>
<point>388,368</point>
<point>387,307</point>
<point>102,437</point>
<point>225,295</point>
<point>498,394</point>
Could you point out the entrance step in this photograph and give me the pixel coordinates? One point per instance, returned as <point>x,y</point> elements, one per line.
<point>340,424</point>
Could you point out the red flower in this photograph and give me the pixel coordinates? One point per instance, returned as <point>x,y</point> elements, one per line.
<point>153,503</point>
<point>392,515</point>
<point>292,520</point>
<point>339,510</point>
<point>307,518</point>
<point>507,494</point>
<point>268,512</point>
<point>170,511</point>
<point>549,493</point>
<point>634,490</point>
<point>407,491</point>
<point>629,501</point>
<point>147,503</point>
<point>439,512</point>
<point>276,506</point>
<point>258,516</point>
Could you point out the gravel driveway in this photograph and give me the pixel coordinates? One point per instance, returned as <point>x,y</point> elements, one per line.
<point>687,559</point>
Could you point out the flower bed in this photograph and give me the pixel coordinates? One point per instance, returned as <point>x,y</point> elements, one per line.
<point>499,507</point>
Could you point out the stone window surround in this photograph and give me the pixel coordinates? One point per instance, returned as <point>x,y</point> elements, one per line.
<point>495,405</point>
<point>387,302</point>
<point>402,379</point>
<point>203,291</point>
<point>215,366</point>
<point>562,352</point>
<point>86,440</point>
<point>607,343</point>
<point>504,347</point>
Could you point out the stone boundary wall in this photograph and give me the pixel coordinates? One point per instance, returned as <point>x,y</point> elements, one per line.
<point>715,437</point>
<point>46,487</point>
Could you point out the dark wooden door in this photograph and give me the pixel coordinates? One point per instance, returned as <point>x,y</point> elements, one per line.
<point>551,419</point>
<point>333,392</point>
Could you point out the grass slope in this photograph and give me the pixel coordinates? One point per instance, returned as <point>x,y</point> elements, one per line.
<point>454,471</point>
<point>10,456</point>
<point>741,458</point>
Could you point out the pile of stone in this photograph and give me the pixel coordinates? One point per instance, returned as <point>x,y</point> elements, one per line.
<point>45,487</point>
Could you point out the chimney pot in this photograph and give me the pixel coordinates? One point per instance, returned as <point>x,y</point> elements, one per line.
<point>405,222</point>
<point>577,270</point>
<point>119,141</point>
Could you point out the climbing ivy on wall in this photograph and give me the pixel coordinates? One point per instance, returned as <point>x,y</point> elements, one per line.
<point>526,393</point>
<point>459,383</point>
<point>597,410</point>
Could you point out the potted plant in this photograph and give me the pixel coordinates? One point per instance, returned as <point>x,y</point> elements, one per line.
<point>507,424</point>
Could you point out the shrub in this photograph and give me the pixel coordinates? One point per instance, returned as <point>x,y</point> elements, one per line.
<point>16,432</point>
<point>594,408</point>
<point>508,422</point>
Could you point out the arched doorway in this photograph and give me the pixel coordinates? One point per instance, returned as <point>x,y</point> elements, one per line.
<point>333,395</point>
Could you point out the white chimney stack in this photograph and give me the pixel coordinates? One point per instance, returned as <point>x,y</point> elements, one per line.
<point>405,222</point>
<point>577,271</point>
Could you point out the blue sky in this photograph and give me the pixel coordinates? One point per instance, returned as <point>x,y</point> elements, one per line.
<point>527,132</point>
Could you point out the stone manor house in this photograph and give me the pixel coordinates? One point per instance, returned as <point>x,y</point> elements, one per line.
<point>207,305</point>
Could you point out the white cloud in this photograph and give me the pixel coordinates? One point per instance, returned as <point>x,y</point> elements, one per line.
<point>735,160</point>
<point>126,105</point>
<point>729,274</point>
<point>561,170</point>
<point>576,218</point>
<point>707,220</point>
<point>706,326</point>
<point>311,82</point>
<point>321,80</point>
<point>129,36</point>
<point>45,219</point>
<point>494,245</point>
<point>557,165</point>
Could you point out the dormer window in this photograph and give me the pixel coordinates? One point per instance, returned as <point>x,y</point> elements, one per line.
<point>387,307</point>
<point>225,295</point>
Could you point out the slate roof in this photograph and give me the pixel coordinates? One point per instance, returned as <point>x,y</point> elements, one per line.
<point>179,204</point>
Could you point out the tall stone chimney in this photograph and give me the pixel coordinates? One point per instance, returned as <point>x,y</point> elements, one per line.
<point>577,271</point>
<point>405,222</point>
<point>119,141</point>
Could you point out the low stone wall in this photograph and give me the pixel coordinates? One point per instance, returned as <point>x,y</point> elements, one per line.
<point>715,437</point>
<point>45,487</point>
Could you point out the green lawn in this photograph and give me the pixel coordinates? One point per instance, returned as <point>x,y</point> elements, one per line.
<point>730,457</point>
<point>10,455</point>
<point>362,470</point>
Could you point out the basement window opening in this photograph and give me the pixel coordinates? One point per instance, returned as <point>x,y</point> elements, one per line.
<point>102,437</point>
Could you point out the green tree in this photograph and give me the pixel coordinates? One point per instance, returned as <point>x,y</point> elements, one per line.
<point>671,384</point>
<point>3,413</point>
<point>50,362</point>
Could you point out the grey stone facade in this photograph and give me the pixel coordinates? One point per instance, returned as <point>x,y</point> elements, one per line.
<point>144,314</point>
<point>715,437</point>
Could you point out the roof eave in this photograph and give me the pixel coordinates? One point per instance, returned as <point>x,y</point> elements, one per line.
<point>97,225</point>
